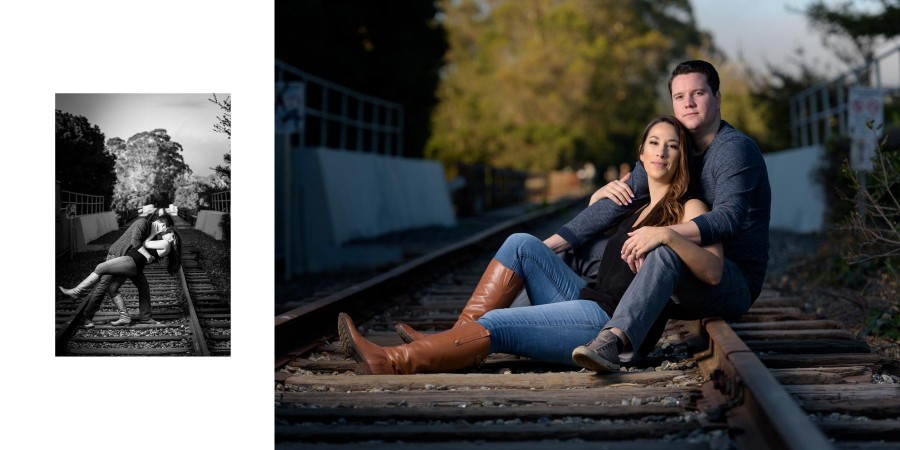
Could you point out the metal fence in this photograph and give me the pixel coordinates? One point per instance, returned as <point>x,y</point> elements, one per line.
<point>83,203</point>
<point>221,201</point>
<point>325,114</point>
<point>821,110</point>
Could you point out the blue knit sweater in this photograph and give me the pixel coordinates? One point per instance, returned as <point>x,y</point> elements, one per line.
<point>732,180</point>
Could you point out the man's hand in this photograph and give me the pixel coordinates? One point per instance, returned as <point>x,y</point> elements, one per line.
<point>642,241</point>
<point>616,190</point>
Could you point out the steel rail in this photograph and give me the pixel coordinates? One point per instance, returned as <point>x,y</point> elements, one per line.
<point>754,400</point>
<point>199,342</point>
<point>316,319</point>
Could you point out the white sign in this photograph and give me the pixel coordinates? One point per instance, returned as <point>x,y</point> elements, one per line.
<point>866,105</point>
<point>289,99</point>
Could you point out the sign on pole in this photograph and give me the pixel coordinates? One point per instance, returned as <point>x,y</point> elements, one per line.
<point>866,104</point>
<point>289,99</point>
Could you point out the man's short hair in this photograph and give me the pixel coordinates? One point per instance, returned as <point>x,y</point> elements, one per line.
<point>697,66</point>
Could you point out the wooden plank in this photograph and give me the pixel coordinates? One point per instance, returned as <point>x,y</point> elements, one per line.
<point>775,317</point>
<point>371,414</point>
<point>824,375</point>
<point>791,346</point>
<point>886,408</point>
<point>128,338</point>
<point>762,310</point>
<point>129,351</point>
<point>874,430</point>
<point>490,432</point>
<point>769,302</point>
<point>837,359</point>
<point>439,397</point>
<point>787,325</point>
<point>794,334</point>
<point>544,444</point>
<point>558,380</point>
<point>855,392</point>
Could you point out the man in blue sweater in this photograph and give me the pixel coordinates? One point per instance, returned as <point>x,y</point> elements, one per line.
<point>729,174</point>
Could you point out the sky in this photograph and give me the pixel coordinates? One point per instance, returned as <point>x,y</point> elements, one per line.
<point>768,31</point>
<point>188,118</point>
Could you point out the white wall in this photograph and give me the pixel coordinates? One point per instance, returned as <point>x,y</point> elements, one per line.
<point>91,226</point>
<point>798,201</point>
<point>342,196</point>
<point>370,195</point>
<point>208,222</point>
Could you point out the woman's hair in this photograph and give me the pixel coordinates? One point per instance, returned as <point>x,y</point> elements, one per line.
<point>670,208</point>
<point>173,261</point>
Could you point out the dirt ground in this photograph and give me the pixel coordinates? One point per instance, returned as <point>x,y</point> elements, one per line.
<point>863,297</point>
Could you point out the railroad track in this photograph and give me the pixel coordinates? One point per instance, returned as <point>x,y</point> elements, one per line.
<point>194,321</point>
<point>777,378</point>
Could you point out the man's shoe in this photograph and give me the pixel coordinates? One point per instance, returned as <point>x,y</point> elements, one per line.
<point>87,324</point>
<point>600,355</point>
<point>150,322</point>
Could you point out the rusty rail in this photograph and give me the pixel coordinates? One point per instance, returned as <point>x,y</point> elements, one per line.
<point>750,396</point>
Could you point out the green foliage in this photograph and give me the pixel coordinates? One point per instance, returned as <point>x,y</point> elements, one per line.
<point>547,84</point>
<point>770,96</point>
<point>834,178</point>
<point>225,225</point>
<point>854,34</point>
<point>884,323</point>
<point>82,163</point>
<point>148,166</point>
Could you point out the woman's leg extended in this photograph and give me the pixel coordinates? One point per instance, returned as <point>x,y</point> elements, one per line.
<point>123,265</point>
<point>544,332</point>
<point>548,279</point>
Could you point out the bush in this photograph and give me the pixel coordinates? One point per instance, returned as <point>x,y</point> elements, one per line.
<point>225,224</point>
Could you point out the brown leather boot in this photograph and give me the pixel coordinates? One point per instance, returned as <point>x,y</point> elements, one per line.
<point>497,289</point>
<point>462,346</point>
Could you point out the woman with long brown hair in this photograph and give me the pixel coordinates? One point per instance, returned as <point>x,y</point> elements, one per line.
<point>561,317</point>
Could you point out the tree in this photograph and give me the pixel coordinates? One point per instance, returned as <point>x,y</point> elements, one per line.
<point>147,167</point>
<point>545,84</point>
<point>82,163</point>
<point>852,34</point>
<point>770,95</point>
<point>224,126</point>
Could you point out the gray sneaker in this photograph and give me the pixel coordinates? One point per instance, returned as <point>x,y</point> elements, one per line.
<point>600,355</point>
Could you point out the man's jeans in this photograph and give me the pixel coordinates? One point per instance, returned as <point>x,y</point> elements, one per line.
<point>557,321</point>
<point>115,275</point>
<point>663,276</point>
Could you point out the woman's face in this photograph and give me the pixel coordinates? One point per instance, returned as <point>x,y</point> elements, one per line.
<point>660,152</point>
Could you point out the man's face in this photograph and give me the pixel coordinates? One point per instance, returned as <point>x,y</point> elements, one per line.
<point>159,225</point>
<point>693,103</point>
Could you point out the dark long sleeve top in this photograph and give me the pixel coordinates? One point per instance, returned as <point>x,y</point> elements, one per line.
<point>731,177</point>
<point>132,238</point>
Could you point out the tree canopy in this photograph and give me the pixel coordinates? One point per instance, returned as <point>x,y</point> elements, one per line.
<point>147,167</point>
<point>223,125</point>
<point>82,163</point>
<point>852,33</point>
<point>545,84</point>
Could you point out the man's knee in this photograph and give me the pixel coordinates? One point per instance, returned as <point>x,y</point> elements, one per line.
<point>663,257</point>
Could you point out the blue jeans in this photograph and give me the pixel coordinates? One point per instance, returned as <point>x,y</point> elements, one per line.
<point>663,276</point>
<point>113,273</point>
<point>557,321</point>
